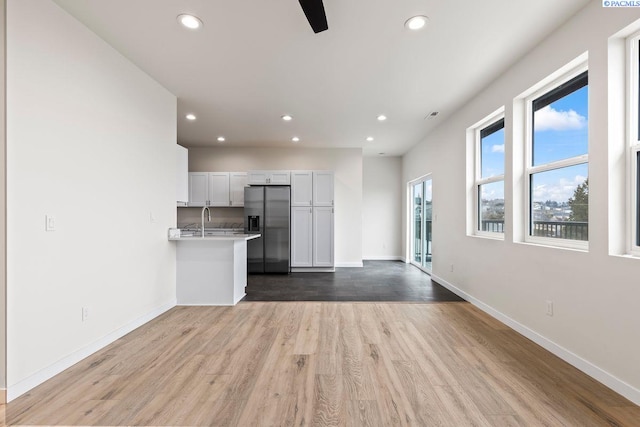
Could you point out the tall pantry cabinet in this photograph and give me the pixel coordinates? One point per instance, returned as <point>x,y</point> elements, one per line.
<point>312,221</point>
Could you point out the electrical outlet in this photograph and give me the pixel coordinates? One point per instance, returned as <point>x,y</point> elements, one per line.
<point>49,223</point>
<point>549,308</point>
<point>85,314</point>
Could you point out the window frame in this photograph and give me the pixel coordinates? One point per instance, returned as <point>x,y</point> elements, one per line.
<point>633,143</point>
<point>478,181</point>
<point>530,169</point>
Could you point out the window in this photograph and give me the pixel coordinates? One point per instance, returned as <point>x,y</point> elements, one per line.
<point>557,167</point>
<point>489,176</point>
<point>634,142</point>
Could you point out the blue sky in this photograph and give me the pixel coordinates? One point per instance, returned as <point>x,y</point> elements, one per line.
<point>560,133</point>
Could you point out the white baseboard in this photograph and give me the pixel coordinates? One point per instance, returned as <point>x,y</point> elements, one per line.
<point>313,269</point>
<point>349,264</point>
<point>50,371</point>
<point>384,258</point>
<point>615,384</point>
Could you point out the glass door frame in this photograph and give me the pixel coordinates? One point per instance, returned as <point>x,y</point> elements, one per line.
<point>412,225</point>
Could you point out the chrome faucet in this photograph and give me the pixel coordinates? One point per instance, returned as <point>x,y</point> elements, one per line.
<point>206,208</point>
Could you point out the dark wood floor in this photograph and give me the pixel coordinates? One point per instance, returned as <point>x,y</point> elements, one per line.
<point>377,281</point>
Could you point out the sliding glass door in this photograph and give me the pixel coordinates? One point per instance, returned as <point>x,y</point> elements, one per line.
<point>421,211</point>
<point>418,192</point>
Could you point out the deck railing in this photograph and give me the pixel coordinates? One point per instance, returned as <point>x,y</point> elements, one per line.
<point>493,225</point>
<point>573,230</point>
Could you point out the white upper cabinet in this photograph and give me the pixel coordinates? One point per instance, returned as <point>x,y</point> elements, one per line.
<point>269,177</point>
<point>312,188</point>
<point>237,182</point>
<point>257,177</point>
<point>301,188</point>
<point>323,188</point>
<point>279,178</point>
<point>198,188</point>
<point>182,175</point>
<point>219,189</point>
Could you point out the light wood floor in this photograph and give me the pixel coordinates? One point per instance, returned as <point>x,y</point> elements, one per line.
<point>333,364</point>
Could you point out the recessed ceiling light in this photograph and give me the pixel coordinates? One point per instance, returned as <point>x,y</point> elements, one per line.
<point>381,154</point>
<point>190,21</point>
<point>190,116</point>
<point>295,139</point>
<point>287,118</point>
<point>221,139</point>
<point>382,118</point>
<point>416,23</point>
<point>369,138</point>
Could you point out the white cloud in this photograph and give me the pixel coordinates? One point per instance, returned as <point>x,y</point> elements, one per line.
<point>491,194</point>
<point>560,191</point>
<point>549,119</point>
<point>497,148</point>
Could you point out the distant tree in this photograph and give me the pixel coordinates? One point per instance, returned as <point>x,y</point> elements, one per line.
<point>579,203</point>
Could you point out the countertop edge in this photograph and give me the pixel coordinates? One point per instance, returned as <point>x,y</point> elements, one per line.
<point>227,237</point>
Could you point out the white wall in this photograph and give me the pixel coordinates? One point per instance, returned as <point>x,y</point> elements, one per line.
<point>346,162</point>
<point>91,141</point>
<point>382,208</point>
<point>3,219</point>
<point>595,295</point>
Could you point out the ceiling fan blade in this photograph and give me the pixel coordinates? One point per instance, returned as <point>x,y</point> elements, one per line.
<point>314,11</point>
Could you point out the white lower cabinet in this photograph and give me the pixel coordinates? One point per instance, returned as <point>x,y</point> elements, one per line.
<point>312,237</point>
<point>323,237</point>
<point>301,237</point>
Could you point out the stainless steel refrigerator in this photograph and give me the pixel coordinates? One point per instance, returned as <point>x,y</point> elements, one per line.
<point>267,210</point>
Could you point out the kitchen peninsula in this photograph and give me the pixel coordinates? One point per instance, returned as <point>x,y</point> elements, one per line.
<point>211,270</point>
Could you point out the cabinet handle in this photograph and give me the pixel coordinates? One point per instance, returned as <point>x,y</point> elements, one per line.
<point>310,210</point>
<point>310,202</point>
<point>229,202</point>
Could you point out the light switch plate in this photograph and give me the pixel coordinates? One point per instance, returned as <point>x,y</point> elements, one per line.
<point>49,223</point>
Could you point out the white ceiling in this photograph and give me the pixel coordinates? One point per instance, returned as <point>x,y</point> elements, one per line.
<point>256,60</point>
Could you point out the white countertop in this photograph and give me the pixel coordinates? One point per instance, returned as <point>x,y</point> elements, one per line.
<point>218,237</point>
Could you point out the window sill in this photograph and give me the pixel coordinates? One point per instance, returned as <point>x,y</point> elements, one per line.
<point>496,236</point>
<point>555,245</point>
<point>627,256</point>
